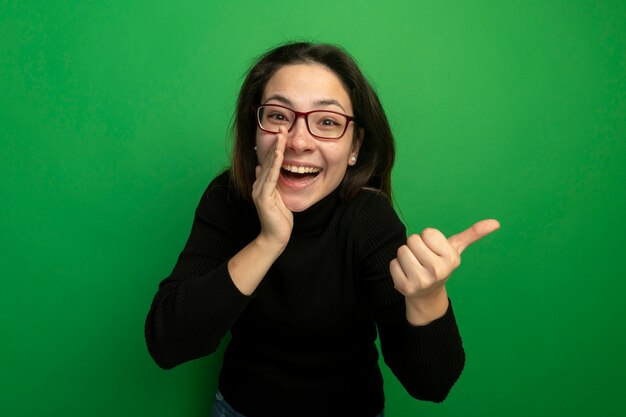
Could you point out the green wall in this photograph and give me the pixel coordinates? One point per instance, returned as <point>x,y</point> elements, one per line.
<point>114,117</point>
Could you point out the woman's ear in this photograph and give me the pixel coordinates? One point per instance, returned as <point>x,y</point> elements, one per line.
<point>357,140</point>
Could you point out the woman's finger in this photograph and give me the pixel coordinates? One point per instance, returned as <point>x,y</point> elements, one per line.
<point>447,257</point>
<point>400,280</point>
<point>277,151</point>
<point>267,164</point>
<point>477,231</point>
<point>424,255</point>
<point>409,263</point>
<point>262,171</point>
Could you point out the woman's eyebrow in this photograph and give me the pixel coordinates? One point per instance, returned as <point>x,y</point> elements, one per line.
<point>280,98</point>
<point>329,102</point>
<point>319,103</point>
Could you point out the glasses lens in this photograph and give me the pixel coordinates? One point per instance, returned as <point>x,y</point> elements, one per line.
<point>273,117</point>
<point>326,124</point>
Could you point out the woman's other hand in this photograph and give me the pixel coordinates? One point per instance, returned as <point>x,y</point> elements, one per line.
<point>425,263</point>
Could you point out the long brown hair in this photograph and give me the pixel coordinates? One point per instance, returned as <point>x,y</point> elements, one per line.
<point>377,151</point>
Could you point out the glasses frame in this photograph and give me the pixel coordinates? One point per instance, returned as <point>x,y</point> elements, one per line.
<point>304,114</point>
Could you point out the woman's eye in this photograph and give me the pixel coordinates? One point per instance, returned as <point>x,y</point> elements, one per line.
<point>327,121</point>
<point>277,117</point>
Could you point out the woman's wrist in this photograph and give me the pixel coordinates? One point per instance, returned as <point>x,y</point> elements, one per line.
<point>248,267</point>
<point>268,245</point>
<point>423,310</point>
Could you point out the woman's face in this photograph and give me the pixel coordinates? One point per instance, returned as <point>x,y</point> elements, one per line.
<point>306,87</point>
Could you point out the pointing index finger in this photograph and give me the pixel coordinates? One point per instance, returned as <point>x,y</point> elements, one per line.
<point>477,231</point>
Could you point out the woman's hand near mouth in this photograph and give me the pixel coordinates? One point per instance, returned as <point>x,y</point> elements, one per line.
<point>248,267</point>
<point>276,219</point>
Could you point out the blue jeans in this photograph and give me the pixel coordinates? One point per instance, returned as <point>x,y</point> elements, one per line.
<point>222,409</point>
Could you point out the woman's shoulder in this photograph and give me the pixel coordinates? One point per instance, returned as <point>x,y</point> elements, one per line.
<point>374,222</point>
<point>221,204</point>
<point>220,182</point>
<point>369,198</point>
<point>371,205</point>
<point>222,187</point>
<point>221,193</point>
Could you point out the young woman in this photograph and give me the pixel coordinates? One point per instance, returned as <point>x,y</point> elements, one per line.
<point>297,251</point>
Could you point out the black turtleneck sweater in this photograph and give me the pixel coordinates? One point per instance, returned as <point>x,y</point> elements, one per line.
<point>304,343</point>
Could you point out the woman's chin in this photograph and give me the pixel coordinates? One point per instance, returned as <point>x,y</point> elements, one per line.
<point>296,200</point>
<point>296,205</point>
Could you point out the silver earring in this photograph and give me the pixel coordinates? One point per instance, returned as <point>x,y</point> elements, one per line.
<point>255,148</point>
<point>353,158</point>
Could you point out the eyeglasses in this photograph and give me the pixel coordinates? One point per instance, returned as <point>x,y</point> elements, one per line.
<point>323,124</point>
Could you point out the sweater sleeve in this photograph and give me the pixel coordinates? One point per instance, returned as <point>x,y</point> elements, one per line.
<point>427,360</point>
<point>198,303</point>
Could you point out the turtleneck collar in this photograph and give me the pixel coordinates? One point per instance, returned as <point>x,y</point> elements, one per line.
<point>314,219</point>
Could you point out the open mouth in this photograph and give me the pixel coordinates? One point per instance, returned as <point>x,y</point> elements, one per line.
<point>299,173</point>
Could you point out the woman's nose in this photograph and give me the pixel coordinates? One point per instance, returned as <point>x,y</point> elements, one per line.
<point>299,139</point>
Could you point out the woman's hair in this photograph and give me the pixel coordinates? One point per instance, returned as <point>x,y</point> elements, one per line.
<point>377,151</point>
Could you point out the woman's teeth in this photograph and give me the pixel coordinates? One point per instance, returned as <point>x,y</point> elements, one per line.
<point>300,170</point>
